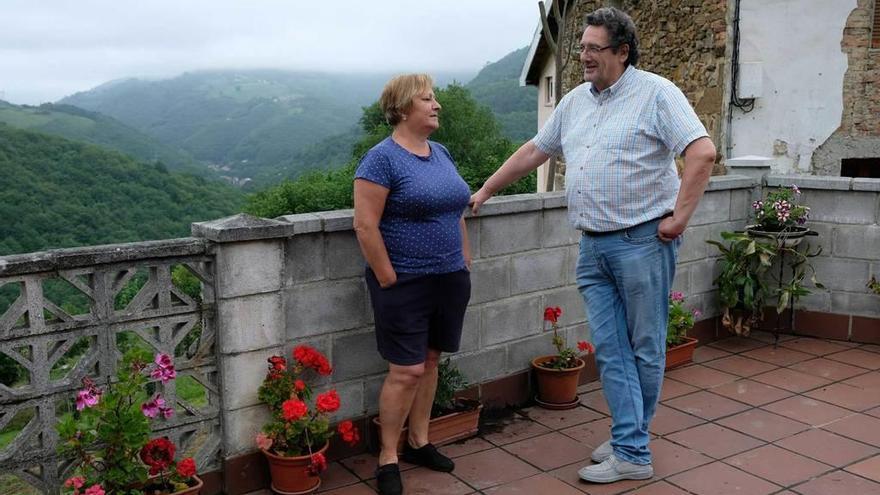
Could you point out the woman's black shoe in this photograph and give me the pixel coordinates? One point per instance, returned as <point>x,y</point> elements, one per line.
<point>388,480</point>
<point>427,456</point>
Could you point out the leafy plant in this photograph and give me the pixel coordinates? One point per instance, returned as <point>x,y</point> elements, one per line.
<point>741,283</point>
<point>874,285</point>
<point>566,357</point>
<point>109,434</point>
<point>680,319</point>
<point>449,382</point>
<point>294,429</point>
<point>746,281</point>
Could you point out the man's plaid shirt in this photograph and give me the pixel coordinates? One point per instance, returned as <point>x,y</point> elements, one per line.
<point>619,147</point>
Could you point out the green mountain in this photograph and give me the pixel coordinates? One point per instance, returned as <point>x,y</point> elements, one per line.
<point>497,86</point>
<point>81,125</point>
<point>246,124</point>
<point>55,193</point>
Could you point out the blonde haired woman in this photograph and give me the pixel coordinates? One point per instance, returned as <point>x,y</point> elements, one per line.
<point>408,206</point>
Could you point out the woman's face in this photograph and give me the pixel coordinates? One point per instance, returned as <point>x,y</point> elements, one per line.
<point>424,113</point>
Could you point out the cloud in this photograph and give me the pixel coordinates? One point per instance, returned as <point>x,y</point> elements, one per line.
<point>52,48</point>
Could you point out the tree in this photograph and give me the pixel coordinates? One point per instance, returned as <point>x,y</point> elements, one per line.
<point>554,38</point>
<point>467,129</point>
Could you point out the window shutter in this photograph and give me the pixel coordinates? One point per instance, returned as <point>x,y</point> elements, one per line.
<point>875,35</point>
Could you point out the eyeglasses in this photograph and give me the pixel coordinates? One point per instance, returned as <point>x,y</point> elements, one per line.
<point>593,49</point>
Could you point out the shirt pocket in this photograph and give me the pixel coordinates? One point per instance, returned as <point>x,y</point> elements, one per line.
<point>622,137</point>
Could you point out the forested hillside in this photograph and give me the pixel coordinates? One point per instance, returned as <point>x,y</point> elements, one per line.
<point>91,127</point>
<point>497,86</point>
<point>247,124</point>
<point>59,193</point>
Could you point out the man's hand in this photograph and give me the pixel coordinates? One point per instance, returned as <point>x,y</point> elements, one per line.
<point>670,229</point>
<point>477,200</point>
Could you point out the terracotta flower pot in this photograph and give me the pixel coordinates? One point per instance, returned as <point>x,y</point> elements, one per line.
<point>557,389</point>
<point>681,354</point>
<point>290,474</point>
<point>449,427</point>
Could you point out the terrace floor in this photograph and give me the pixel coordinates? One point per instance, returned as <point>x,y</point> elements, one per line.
<point>745,418</point>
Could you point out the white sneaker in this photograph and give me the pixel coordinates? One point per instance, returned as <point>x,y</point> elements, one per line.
<point>614,469</point>
<point>602,452</point>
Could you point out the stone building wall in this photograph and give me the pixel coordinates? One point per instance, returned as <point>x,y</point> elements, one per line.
<point>684,41</point>
<point>859,133</point>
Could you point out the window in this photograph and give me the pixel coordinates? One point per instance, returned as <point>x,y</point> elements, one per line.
<point>875,35</point>
<point>860,167</point>
<point>548,91</point>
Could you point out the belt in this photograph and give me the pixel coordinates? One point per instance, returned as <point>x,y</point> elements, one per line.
<point>591,233</point>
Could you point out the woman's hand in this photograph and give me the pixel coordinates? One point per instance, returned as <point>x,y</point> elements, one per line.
<point>386,280</point>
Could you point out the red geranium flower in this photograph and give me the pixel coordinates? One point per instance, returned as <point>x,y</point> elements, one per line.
<point>348,432</point>
<point>585,346</point>
<point>299,385</point>
<point>318,465</point>
<point>158,454</point>
<point>328,401</point>
<point>293,409</point>
<point>311,358</point>
<point>186,467</point>
<point>552,314</point>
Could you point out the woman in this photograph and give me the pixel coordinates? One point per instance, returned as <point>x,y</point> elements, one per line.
<point>408,205</point>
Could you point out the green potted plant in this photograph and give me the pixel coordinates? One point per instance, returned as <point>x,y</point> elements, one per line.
<point>109,435</point>
<point>742,285</point>
<point>453,418</point>
<point>558,374</point>
<point>679,347</point>
<point>297,436</point>
<point>746,282</point>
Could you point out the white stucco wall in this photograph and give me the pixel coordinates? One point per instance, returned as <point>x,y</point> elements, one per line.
<point>797,44</point>
<point>544,111</point>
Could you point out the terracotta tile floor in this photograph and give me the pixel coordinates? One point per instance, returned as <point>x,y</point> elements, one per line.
<point>803,418</point>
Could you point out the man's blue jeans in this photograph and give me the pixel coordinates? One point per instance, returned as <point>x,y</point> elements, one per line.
<point>625,278</point>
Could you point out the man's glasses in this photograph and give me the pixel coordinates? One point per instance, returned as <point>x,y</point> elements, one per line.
<point>593,49</point>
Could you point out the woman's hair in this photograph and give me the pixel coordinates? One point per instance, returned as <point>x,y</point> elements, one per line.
<point>398,94</point>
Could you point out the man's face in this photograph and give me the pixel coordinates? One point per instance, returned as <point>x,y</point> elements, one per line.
<point>602,66</point>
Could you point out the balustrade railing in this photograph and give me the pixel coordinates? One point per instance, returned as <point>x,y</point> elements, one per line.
<point>70,313</point>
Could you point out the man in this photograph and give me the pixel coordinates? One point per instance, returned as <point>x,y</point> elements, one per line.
<point>619,133</point>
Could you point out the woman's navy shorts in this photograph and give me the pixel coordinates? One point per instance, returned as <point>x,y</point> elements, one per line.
<point>419,311</point>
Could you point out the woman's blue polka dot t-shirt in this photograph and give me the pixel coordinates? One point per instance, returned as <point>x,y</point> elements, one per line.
<point>426,198</point>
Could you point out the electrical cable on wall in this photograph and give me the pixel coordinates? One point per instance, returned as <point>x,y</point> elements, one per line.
<point>744,104</point>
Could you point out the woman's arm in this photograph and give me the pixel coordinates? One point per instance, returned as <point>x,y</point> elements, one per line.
<point>369,203</point>
<point>465,244</point>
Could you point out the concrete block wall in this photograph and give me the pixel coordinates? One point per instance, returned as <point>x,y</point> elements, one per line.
<point>299,279</point>
<point>846,214</point>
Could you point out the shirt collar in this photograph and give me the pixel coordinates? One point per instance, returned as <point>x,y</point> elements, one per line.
<point>618,85</point>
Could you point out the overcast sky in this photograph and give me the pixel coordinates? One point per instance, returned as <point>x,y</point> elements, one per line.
<point>52,48</point>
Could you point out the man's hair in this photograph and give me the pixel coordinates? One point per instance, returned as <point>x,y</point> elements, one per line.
<point>397,97</point>
<point>621,30</point>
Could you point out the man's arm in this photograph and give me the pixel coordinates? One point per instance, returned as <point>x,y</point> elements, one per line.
<point>527,158</point>
<point>699,157</point>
